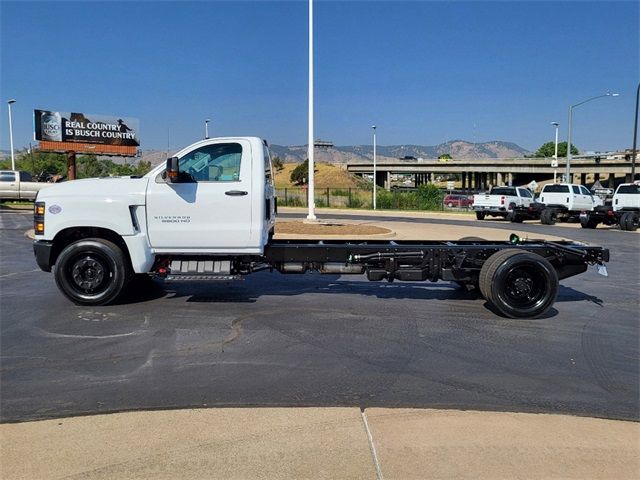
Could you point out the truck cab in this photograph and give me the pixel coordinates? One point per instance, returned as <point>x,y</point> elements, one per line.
<point>569,196</point>
<point>222,203</point>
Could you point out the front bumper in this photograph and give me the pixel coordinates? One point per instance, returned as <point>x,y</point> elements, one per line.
<point>42,250</point>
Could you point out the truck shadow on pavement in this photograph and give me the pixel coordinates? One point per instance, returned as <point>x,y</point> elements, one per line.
<point>252,289</point>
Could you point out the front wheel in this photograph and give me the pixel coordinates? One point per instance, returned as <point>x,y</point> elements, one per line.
<point>519,284</point>
<point>92,271</point>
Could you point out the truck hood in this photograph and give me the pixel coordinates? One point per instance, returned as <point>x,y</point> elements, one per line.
<point>110,189</point>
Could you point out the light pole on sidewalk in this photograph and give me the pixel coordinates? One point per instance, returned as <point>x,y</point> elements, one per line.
<point>311,201</point>
<point>13,159</point>
<point>571,107</point>
<point>206,129</point>
<point>555,156</point>
<point>375,176</point>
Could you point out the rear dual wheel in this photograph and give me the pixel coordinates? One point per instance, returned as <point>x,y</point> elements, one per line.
<point>519,284</point>
<point>548,217</point>
<point>588,222</point>
<point>629,221</point>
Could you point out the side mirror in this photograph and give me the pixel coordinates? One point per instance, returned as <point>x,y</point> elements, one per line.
<point>172,173</point>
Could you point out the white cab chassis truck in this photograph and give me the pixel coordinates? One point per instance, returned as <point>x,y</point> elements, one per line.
<point>563,201</point>
<point>623,211</point>
<point>209,214</point>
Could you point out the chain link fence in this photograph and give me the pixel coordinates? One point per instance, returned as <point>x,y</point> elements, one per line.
<point>426,197</point>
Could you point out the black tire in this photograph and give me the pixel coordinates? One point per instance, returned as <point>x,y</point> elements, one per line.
<point>623,221</point>
<point>630,220</point>
<point>480,215</point>
<point>450,205</point>
<point>588,222</point>
<point>513,217</point>
<point>548,217</point>
<point>519,284</point>
<point>92,271</point>
<point>467,286</point>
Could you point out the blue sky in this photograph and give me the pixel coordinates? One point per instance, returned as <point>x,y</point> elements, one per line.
<point>425,72</point>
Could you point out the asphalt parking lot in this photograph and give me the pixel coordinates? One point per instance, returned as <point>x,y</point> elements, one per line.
<point>312,340</point>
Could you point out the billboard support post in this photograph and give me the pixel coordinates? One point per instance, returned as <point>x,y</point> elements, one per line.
<point>71,165</point>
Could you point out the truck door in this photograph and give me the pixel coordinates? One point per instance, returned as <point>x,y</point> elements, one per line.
<point>28,188</point>
<point>525,197</point>
<point>211,208</point>
<point>9,187</point>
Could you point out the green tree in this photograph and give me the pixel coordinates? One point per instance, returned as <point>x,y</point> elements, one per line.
<point>547,150</point>
<point>445,156</point>
<point>142,168</point>
<point>300,174</point>
<point>277,163</point>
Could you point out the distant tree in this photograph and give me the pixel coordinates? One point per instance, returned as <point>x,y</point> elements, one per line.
<point>300,174</point>
<point>445,156</point>
<point>548,150</point>
<point>277,163</point>
<point>142,168</point>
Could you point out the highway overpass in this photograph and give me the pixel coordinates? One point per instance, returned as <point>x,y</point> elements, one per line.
<point>483,173</point>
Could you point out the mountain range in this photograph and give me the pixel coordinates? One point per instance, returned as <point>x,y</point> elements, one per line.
<point>458,149</point>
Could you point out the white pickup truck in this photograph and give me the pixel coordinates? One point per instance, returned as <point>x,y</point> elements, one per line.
<point>17,185</point>
<point>209,214</point>
<point>500,201</point>
<point>623,211</point>
<point>563,201</point>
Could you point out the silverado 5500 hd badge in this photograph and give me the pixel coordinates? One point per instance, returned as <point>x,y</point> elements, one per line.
<point>173,218</point>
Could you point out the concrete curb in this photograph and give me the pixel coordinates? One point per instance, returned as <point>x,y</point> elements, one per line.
<point>321,443</point>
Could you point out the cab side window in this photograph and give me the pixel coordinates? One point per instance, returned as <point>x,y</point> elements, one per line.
<point>7,177</point>
<point>213,163</point>
<point>576,190</point>
<point>584,190</point>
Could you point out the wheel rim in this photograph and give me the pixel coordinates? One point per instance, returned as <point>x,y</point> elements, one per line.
<point>525,287</point>
<point>89,273</point>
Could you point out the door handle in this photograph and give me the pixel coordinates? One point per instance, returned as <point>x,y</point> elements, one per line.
<point>236,193</point>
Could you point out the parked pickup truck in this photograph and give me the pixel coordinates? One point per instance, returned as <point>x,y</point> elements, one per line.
<point>564,201</point>
<point>209,215</point>
<point>624,209</point>
<point>15,185</point>
<point>500,201</point>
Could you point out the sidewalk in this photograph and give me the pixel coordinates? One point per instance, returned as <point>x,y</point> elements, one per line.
<point>321,443</point>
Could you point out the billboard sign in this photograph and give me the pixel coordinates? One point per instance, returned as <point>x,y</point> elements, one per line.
<point>63,131</point>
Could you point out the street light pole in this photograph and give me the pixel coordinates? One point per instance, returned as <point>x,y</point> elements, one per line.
<point>571,107</point>
<point>206,129</point>
<point>311,201</point>
<point>635,137</point>
<point>13,159</point>
<point>555,156</point>
<point>375,176</point>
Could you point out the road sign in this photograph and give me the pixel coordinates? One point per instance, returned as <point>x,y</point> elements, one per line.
<point>554,163</point>
<point>450,185</point>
